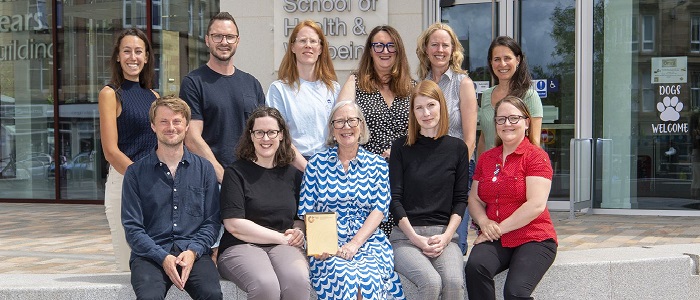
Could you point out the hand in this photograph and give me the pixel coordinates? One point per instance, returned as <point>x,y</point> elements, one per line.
<point>347,251</point>
<point>490,230</point>
<point>214,254</point>
<point>323,256</point>
<point>295,237</point>
<point>424,244</point>
<point>185,260</point>
<point>439,243</point>
<point>170,267</point>
<point>480,239</point>
<point>386,153</point>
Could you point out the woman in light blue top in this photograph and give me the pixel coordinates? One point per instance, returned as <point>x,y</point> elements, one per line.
<point>512,77</point>
<point>306,90</point>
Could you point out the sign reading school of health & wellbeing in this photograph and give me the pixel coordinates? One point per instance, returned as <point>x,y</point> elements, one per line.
<point>345,23</point>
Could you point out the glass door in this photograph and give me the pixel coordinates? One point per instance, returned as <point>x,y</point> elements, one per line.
<point>545,31</point>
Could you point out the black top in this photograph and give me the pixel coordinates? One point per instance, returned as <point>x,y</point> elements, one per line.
<point>429,180</point>
<point>136,138</point>
<point>268,197</point>
<point>223,103</point>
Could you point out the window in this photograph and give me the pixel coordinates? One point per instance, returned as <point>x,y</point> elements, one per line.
<point>157,14</point>
<point>190,17</point>
<point>648,32</point>
<point>202,24</point>
<point>695,34</point>
<point>635,34</point>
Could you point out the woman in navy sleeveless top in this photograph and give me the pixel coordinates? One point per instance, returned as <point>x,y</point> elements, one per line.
<point>125,128</point>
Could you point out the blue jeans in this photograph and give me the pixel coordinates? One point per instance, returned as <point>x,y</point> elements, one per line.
<point>463,228</point>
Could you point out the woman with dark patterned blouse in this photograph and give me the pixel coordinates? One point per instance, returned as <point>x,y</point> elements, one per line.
<point>381,86</point>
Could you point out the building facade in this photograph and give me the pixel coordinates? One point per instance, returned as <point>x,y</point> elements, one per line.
<point>619,82</point>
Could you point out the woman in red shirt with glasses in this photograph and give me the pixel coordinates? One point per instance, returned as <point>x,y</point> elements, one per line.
<point>512,183</point>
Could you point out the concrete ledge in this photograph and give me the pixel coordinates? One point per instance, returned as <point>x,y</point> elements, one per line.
<point>659,272</point>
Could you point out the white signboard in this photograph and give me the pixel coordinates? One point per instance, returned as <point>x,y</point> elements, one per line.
<point>481,86</point>
<point>669,69</point>
<point>346,24</point>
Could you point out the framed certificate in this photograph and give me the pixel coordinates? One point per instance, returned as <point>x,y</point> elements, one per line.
<point>321,233</point>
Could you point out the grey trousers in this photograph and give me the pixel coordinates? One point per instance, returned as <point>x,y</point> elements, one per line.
<point>435,277</point>
<point>266,273</point>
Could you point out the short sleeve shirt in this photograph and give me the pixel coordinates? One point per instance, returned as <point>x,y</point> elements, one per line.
<point>503,188</point>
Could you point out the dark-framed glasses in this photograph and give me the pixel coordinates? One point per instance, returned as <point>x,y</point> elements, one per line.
<point>218,38</point>
<point>259,134</point>
<point>512,119</point>
<point>339,124</point>
<point>379,47</point>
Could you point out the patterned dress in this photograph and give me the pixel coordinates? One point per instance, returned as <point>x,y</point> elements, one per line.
<point>353,195</point>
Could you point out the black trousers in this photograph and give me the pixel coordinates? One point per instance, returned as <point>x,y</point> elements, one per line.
<point>150,281</point>
<point>526,265</point>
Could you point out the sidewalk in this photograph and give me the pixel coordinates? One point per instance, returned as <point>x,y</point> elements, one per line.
<point>75,239</point>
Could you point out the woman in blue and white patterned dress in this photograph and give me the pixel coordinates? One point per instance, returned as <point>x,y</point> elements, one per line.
<point>354,183</point>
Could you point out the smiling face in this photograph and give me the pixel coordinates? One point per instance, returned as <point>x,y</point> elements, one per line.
<point>427,112</point>
<point>511,134</point>
<point>132,57</point>
<point>170,127</point>
<point>504,63</point>
<point>384,61</point>
<point>266,147</point>
<point>304,48</point>
<point>347,137</point>
<point>439,49</point>
<point>224,50</point>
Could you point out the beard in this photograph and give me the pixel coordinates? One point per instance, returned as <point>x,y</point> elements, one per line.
<point>174,143</point>
<point>220,57</point>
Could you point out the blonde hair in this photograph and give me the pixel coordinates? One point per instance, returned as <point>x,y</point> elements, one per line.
<point>176,104</point>
<point>456,57</point>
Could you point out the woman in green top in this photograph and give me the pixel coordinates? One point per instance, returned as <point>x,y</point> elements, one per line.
<point>510,72</point>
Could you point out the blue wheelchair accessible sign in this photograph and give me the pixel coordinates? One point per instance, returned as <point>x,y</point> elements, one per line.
<point>540,86</point>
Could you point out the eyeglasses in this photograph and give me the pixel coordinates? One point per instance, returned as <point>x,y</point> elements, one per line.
<point>352,122</point>
<point>259,134</point>
<point>305,41</point>
<point>512,119</point>
<point>379,47</point>
<point>230,38</point>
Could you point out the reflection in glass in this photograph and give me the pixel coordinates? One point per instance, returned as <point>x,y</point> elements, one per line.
<point>26,102</point>
<point>646,168</point>
<point>472,24</point>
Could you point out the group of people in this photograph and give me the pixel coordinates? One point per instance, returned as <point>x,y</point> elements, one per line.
<point>218,181</point>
